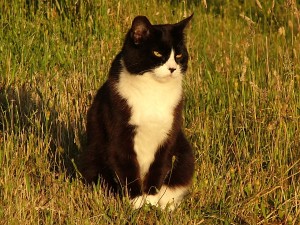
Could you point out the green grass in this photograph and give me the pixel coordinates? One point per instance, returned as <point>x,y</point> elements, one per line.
<point>242,110</point>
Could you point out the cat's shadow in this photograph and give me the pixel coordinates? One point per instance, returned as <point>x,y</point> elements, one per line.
<point>17,109</point>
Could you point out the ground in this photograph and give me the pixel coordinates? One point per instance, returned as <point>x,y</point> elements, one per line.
<point>242,107</point>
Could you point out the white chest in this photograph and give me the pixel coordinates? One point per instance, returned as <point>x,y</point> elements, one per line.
<point>152,112</point>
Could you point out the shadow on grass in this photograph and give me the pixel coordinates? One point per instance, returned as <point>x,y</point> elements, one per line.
<point>19,112</point>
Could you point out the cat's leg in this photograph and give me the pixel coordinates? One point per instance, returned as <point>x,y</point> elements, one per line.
<point>175,186</point>
<point>179,179</point>
<point>127,174</point>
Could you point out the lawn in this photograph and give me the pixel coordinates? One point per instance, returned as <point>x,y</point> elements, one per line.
<point>242,109</point>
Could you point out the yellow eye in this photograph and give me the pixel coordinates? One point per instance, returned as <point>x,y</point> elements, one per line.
<point>157,54</point>
<point>178,56</point>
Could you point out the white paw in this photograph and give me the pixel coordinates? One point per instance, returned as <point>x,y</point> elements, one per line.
<point>166,198</point>
<point>169,205</point>
<point>139,201</point>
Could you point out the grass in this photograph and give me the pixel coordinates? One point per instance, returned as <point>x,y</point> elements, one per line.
<point>242,110</point>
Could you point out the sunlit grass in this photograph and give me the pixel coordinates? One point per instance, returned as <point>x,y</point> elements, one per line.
<point>242,108</point>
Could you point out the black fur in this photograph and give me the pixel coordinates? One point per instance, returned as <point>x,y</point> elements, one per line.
<point>110,153</point>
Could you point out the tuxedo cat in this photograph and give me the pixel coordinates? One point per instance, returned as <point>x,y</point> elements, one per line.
<point>135,143</point>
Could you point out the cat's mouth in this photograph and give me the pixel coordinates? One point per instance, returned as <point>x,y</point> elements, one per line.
<point>165,77</point>
<point>161,74</point>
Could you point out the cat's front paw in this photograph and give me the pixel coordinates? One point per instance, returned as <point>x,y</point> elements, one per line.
<point>170,206</point>
<point>139,201</point>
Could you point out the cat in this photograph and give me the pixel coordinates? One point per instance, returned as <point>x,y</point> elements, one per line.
<point>135,143</point>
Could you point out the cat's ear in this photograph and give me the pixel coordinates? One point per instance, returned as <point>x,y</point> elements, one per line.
<point>140,29</point>
<point>183,23</point>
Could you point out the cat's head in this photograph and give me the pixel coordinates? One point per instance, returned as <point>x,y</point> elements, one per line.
<point>159,49</point>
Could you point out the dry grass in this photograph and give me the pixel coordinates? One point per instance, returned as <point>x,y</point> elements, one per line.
<point>241,114</point>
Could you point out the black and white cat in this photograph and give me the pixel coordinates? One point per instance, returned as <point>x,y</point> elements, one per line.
<point>135,141</point>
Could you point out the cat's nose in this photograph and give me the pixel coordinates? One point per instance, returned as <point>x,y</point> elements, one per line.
<point>172,69</point>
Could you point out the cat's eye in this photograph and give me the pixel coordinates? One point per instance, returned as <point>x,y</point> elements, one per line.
<point>178,56</point>
<point>157,54</point>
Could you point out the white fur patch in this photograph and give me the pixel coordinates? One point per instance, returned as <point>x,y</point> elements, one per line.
<point>163,72</point>
<point>166,197</point>
<point>152,98</point>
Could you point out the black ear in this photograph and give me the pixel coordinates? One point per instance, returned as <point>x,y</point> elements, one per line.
<point>183,23</point>
<point>140,29</point>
